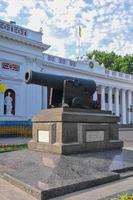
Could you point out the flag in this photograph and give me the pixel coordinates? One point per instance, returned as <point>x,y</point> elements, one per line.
<point>2,88</point>
<point>78,31</point>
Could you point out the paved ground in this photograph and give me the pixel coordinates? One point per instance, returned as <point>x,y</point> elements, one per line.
<point>9,192</point>
<point>127,137</point>
<point>101,192</point>
<point>14,140</point>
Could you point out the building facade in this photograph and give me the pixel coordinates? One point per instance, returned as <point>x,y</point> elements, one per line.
<point>22,49</point>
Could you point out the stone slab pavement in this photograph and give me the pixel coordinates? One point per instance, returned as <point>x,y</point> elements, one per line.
<point>102,192</point>
<point>10,192</point>
<point>127,137</point>
<point>109,190</point>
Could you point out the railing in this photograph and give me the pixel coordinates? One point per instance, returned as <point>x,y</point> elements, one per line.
<point>118,74</point>
<point>72,63</point>
<point>114,73</point>
<point>15,128</point>
<point>51,58</point>
<point>127,76</point>
<point>59,60</point>
<point>62,61</point>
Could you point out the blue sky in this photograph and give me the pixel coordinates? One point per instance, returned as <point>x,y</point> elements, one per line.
<point>107,25</point>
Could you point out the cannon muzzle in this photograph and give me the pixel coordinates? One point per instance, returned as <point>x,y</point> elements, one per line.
<point>48,80</point>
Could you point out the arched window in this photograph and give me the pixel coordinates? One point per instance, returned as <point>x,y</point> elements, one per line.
<point>9,102</point>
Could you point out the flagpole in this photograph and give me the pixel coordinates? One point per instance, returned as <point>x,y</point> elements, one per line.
<point>78,41</point>
<point>79,46</point>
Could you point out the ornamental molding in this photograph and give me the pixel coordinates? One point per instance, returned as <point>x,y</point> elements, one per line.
<point>91,62</point>
<point>34,60</point>
<point>29,60</point>
<point>39,61</point>
<point>10,66</point>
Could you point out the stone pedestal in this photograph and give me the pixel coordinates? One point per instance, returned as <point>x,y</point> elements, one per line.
<point>69,130</point>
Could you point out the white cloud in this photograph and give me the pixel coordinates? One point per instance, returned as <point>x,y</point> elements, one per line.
<point>14,7</point>
<point>106,24</point>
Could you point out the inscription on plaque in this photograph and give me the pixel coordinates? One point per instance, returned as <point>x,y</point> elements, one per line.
<point>43,136</point>
<point>94,136</point>
<point>11,27</point>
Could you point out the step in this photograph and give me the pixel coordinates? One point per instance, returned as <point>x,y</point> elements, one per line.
<point>127,174</point>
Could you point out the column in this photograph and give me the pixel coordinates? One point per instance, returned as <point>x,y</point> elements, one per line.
<point>44,97</point>
<point>110,99</point>
<point>117,109</point>
<point>102,97</point>
<point>123,106</point>
<point>95,96</point>
<point>129,106</point>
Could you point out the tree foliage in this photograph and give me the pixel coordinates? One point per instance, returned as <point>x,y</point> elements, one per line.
<point>113,61</point>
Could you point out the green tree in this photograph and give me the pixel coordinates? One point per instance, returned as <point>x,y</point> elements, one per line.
<point>113,61</point>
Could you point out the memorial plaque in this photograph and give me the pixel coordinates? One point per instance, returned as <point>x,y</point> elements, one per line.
<point>94,136</point>
<point>43,136</point>
<point>10,66</point>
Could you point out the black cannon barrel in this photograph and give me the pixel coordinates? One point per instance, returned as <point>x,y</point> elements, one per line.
<point>56,81</point>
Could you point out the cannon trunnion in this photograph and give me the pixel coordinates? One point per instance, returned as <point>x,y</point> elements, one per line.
<point>65,91</point>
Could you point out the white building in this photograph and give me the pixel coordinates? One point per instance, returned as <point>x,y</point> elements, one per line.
<point>22,49</point>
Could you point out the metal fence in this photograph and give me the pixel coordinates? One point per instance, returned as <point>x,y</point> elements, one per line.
<point>16,128</point>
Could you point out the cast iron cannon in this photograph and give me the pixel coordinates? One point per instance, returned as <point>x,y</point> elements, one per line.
<point>65,91</point>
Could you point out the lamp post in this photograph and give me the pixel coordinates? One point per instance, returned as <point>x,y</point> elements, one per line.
<point>130,109</point>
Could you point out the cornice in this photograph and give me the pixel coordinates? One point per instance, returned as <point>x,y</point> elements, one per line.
<point>17,52</point>
<point>27,41</point>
